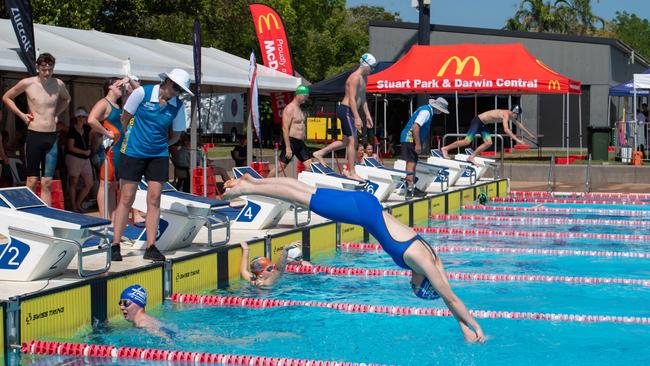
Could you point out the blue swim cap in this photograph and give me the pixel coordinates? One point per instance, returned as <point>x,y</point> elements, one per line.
<point>426,291</point>
<point>136,294</point>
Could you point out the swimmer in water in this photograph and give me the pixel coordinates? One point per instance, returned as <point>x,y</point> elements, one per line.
<point>262,271</point>
<point>407,249</point>
<point>294,256</point>
<point>132,304</point>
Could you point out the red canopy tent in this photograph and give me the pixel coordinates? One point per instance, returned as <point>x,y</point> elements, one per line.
<point>472,68</point>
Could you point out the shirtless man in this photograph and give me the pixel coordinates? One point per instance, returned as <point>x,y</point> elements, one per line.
<point>477,126</point>
<point>47,97</point>
<point>348,113</point>
<point>293,132</point>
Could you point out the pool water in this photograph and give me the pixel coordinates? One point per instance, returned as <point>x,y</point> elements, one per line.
<point>326,334</point>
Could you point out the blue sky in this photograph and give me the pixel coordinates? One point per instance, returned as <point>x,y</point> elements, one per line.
<point>492,13</point>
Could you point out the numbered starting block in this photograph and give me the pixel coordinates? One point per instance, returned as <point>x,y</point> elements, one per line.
<point>182,215</point>
<point>323,176</point>
<point>459,172</point>
<point>482,164</point>
<point>428,177</point>
<point>40,242</point>
<point>262,212</point>
<point>385,179</point>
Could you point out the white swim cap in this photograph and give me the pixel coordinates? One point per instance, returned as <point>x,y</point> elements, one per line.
<point>294,254</point>
<point>368,60</point>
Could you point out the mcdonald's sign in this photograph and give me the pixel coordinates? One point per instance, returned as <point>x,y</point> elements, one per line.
<point>265,20</point>
<point>460,65</point>
<point>554,85</point>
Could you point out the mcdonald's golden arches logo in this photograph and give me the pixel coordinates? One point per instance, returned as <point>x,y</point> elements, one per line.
<point>266,21</point>
<point>460,65</point>
<point>554,85</point>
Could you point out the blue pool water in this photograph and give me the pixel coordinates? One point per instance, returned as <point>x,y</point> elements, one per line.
<point>325,334</point>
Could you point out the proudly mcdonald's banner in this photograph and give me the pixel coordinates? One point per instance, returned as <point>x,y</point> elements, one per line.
<point>275,50</point>
<point>471,68</point>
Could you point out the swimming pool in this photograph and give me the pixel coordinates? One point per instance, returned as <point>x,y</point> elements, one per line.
<point>328,334</point>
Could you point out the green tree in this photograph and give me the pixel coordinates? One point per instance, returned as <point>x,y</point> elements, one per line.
<point>634,31</point>
<point>536,16</point>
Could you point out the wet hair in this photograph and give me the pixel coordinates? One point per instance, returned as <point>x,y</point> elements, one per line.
<point>107,84</point>
<point>45,57</point>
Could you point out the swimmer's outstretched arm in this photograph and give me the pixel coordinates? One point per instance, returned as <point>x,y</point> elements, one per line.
<point>243,265</point>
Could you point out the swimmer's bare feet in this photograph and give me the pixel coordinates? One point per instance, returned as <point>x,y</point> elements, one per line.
<point>353,175</point>
<point>319,157</point>
<point>444,153</point>
<point>237,187</point>
<point>471,160</point>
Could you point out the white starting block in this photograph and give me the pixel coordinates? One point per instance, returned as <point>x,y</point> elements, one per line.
<point>385,179</point>
<point>182,215</point>
<point>428,177</point>
<point>459,172</point>
<point>262,212</point>
<point>482,164</point>
<point>323,176</point>
<point>42,241</point>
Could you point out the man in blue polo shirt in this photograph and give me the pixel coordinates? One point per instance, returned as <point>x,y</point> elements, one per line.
<point>149,113</point>
<point>416,131</point>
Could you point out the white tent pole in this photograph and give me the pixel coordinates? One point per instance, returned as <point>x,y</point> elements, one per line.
<point>568,138</point>
<point>635,121</point>
<point>193,138</point>
<point>580,120</point>
<point>457,125</point>
<point>510,122</point>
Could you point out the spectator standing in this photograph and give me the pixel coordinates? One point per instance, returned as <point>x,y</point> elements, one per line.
<point>77,159</point>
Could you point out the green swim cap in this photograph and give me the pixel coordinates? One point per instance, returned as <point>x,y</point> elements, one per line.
<point>302,90</point>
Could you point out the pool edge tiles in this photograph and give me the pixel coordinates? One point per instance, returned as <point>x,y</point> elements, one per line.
<point>151,279</point>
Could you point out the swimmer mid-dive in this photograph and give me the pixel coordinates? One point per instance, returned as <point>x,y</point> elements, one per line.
<point>407,249</point>
<point>262,271</point>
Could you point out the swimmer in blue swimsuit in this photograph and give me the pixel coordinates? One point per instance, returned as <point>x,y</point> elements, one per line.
<point>408,250</point>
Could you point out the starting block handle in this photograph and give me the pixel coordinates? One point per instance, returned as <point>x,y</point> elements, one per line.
<point>296,211</point>
<point>224,223</point>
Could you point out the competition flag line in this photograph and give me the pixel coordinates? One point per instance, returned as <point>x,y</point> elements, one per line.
<point>462,276</point>
<point>600,195</point>
<point>543,220</point>
<point>261,303</point>
<point>371,247</point>
<point>530,234</point>
<point>644,213</point>
<point>152,354</point>
<point>568,200</point>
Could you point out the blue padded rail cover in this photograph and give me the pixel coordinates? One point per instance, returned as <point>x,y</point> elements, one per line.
<point>213,202</point>
<point>21,197</point>
<point>84,221</point>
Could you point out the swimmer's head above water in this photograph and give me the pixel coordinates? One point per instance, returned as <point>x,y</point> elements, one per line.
<point>261,267</point>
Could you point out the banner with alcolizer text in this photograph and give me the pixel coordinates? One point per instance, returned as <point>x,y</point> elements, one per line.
<point>275,50</point>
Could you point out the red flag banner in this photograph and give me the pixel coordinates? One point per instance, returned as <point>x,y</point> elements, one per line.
<point>275,50</point>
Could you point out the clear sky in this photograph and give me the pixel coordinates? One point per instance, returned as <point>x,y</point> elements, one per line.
<point>493,13</point>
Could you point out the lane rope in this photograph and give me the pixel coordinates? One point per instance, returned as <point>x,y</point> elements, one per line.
<point>152,354</point>
<point>266,303</point>
<point>531,234</point>
<point>372,247</point>
<point>567,200</point>
<point>465,276</point>
<point>611,212</point>
<point>543,220</point>
<point>600,195</point>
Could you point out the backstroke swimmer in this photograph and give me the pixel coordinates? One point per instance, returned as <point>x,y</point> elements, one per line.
<point>408,249</point>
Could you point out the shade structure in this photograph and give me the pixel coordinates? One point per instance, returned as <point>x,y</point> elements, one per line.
<point>471,68</point>
<point>626,89</point>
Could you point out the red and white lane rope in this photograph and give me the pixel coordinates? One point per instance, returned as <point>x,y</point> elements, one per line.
<point>152,354</point>
<point>645,213</point>
<point>464,276</point>
<point>530,234</point>
<point>543,220</point>
<point>371,247</point>
<point>260,303</point>
<point>600,195</point>
<point>568,200</point>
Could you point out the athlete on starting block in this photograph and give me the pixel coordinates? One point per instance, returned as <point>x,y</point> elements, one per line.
<point>408,249</point>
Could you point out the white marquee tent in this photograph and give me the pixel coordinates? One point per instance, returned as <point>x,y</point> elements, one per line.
<point>640,81</point>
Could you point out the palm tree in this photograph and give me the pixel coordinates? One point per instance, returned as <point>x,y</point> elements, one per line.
<point>579,17</point>
<point>561,16</point>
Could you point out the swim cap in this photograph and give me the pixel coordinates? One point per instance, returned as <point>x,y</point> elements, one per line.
<point>136,294</point>
<point>426,291</point>
<point>294,254</point>
<point>368,60</point>
<point>302,89</point>
<point>259,265</point>
<point>516,109</point>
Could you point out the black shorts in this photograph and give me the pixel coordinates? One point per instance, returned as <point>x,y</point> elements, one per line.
<point>41,153</point>
<point>344,113</point>
<point>408,153</point>
<point>298,148</point>
<point>478,127</point>
<point>154,169</point>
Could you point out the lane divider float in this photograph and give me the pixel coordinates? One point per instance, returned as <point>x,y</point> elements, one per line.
<point>612,212</point>
<point>567,200</point>
<point>372,247</point>
<point>465,276</point>
<point>151,354</point>
<point>543,220</point>
<point>601,195</point>
<point>531,234</point>
<point>266,303</point>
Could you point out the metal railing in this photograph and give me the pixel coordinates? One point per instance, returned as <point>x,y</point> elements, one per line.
<point>588,176</point>
<point>499,137</point>
<point>551,174</point>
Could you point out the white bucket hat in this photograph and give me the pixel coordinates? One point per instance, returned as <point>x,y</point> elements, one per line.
<point>439,104</point>
<point>180,77</point>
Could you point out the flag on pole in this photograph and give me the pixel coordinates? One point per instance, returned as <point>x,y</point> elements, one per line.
<point>253,96</point>
<point>20,12</point>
